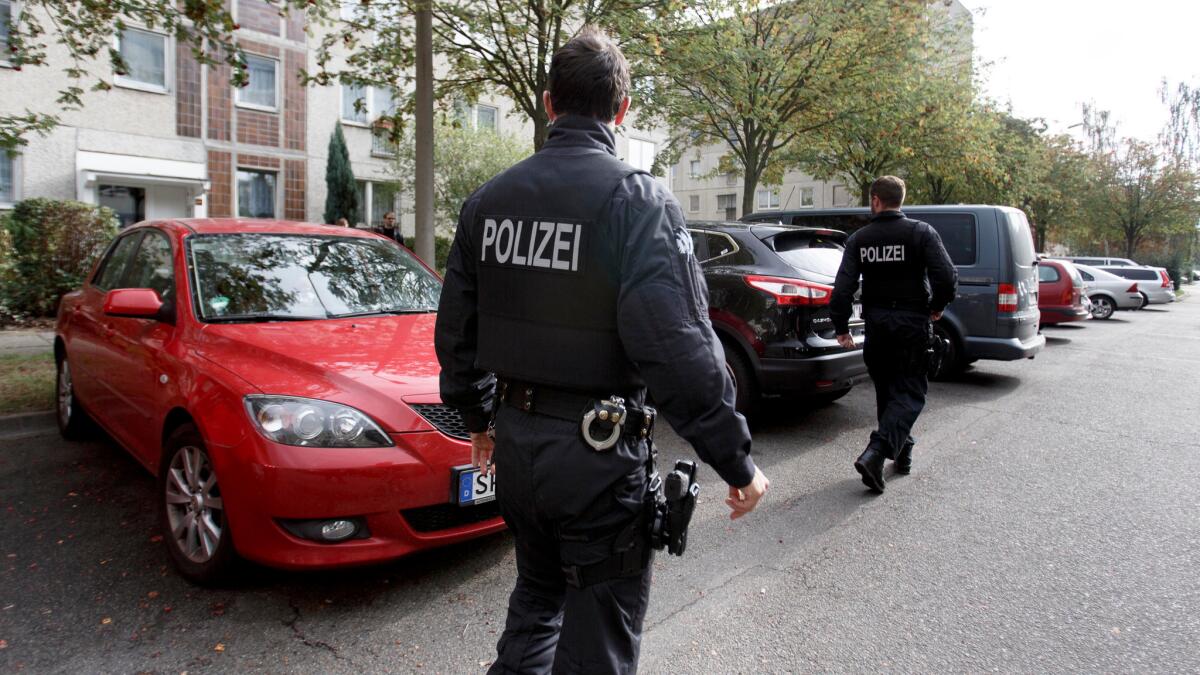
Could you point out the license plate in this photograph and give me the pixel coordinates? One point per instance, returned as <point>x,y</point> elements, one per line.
<point>471,486</point>
<point>856,311</point>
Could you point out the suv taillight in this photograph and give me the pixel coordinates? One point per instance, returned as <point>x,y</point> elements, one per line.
<point>1132,288</point>
<point>792,291</point>
<point>1166,280</point>
<point>1006,300</point>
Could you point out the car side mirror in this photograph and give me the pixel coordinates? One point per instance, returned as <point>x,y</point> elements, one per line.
<point>134,303</point>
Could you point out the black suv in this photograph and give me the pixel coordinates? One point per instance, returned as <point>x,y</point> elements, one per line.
<point>769,289</point>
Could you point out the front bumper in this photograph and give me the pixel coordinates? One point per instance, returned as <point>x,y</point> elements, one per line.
<point>402,493</point>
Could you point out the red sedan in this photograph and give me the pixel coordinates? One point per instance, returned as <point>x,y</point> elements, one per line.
<point>1060,292</point>
<point>280,380</point>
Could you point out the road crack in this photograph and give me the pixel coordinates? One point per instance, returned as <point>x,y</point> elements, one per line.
<point>297,633</point>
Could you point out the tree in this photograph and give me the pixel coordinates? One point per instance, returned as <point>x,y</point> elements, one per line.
<point>497,45</point>
<point>757,77</point>
<point>87,31</point>
<point>464,159</point>
<point>341,192</point>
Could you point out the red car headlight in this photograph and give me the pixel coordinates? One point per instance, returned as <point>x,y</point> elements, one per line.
<point>313,423</point>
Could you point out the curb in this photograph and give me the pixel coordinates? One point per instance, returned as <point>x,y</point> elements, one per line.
<point>27,424</point>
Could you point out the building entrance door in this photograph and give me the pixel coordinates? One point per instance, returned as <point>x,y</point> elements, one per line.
<point>128,202</point>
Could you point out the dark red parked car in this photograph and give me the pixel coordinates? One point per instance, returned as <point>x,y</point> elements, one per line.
<point>280,380</point>
<point>1060,292</point>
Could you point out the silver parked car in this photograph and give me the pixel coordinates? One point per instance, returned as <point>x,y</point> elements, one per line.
<point>1153,282</point>
<point>1100,262</point>
<point>1108,292</point>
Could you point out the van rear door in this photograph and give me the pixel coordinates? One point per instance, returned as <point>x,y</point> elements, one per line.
<point>1019,276</point>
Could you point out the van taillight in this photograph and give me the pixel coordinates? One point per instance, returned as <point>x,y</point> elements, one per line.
<point>1006,300</point>
<point>792,291</point>
<point>1166,280</point>
<point>1132,288</point>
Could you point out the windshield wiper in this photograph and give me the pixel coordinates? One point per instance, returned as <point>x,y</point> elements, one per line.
<point>254,318</point>
<point>375,312</point>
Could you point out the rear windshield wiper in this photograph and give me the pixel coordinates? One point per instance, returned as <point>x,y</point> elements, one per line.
<point>375,312</point>
<point>254,318</point>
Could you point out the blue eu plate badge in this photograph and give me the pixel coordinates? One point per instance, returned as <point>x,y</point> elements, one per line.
<point>471,486</point>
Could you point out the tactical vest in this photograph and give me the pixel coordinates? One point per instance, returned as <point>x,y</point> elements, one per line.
<point>891,259</point>
<point>548,265</point>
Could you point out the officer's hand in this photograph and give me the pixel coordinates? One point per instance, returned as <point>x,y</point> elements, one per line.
<point>743,500</point>
<point>482,446</point>
<point>846,341</point>
<point>934,316</point>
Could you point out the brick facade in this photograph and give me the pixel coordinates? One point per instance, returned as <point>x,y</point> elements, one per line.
<point>295,101</point>
<point>188,108</point>
<point>257,127</point>
<point>258,15</point>
<point>293,189</point>
<point>295,26</point>
<point>257,161</point>
<point>220,177</point>
<point>220,103</point>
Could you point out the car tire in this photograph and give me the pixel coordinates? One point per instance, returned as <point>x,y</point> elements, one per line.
<point>192,516</point>
<point>1102,307</point>
<point>953,362</point>
<point>73,421</point>
<point>1145,300</point>
<point>744,383</point>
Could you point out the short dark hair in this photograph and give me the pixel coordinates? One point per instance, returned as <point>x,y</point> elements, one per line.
<point>588,76</point>
<point>890,190</point>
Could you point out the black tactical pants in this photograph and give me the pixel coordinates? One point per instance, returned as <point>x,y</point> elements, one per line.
<point>565,503</point>
<point>896,359</point>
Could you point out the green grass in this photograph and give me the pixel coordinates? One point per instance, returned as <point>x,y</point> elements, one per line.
<point>26,383</point>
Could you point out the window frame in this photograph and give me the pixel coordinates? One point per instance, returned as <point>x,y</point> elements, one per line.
<point>768,192</point>
<point>475,115</point>
<point>812,197</point>
<point>147,233</point>
<point>237,94</point>
<point>368,98</point>
<point>15,172</point>
<point>694,167</point>
<point>125,82</point>
<point>275,196</point>
<point>708,249</point>
<point>697,200</point>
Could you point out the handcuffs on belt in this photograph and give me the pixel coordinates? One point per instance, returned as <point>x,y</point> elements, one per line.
<point>612,411</point>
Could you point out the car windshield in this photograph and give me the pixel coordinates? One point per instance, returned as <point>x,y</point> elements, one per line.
<point>273,277</point>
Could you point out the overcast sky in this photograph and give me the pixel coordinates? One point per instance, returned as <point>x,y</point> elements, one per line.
<point>1049,56</point>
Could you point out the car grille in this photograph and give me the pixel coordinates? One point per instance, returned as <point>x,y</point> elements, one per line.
<point>447,516</point>
<point>444,418</point>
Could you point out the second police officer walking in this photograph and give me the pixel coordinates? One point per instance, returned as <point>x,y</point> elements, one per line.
<point>571,279</point>
<point>907,281</point>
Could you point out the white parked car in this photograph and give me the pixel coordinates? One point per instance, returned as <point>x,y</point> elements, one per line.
<point>1153,282</point>
<point>1108,292</point>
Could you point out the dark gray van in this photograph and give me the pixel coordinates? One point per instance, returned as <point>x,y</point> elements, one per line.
<point>995,315</point>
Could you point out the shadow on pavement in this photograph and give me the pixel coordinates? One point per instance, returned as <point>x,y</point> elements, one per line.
<point>987,384</point>
<point>1055,340</point>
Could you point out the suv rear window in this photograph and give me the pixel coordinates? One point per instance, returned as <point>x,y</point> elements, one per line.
<point>1022,239</point>
<point>847,222</point>
<point>1136,273</point>
<point>957,231</point>
<point>809,253</point>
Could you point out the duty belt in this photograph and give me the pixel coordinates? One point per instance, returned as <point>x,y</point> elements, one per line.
<point>612,412</point>
<point>910,305</point>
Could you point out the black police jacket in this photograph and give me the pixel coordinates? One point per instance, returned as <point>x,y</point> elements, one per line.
<point>575,270</point>
<point>903,265</point>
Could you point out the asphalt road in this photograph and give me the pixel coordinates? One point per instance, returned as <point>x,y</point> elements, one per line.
<point>1052,523</point>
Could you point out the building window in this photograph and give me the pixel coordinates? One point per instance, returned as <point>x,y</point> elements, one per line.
<point>768,198</point>
<point>256,194</point>
<point>8,178</point>
<point>641,154</point>
<point>478,116</point>
<point>731,178</point>
<point>7,18</point>
<point>807,196</point>
<point>727,204</point>
<point>841,196</point>
<point>382,144</point>
<point>262,90</point>
<point>383,199</point>
<point>694,171</point>
<point>145,55</point>
<point>693,203</point>
<point>362,104</point>
<point>129,203</point>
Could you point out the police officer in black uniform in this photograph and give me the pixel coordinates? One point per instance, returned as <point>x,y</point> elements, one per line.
<point>907,280</point>
<point>571,282</point>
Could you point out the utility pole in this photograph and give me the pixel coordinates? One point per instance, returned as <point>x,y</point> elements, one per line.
<point>423,123</point>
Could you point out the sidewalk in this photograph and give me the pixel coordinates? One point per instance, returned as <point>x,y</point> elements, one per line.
<point>14,342</point>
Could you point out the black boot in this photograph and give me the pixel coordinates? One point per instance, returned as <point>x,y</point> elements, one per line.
<point>870,465</point>
<point>904,459</point>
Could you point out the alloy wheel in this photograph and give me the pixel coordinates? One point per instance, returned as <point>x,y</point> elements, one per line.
<point>1102,307</point>
<point>66,396</point>
<point>195,510</point>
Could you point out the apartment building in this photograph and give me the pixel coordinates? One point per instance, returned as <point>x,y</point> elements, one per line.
<point>173,138</point>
